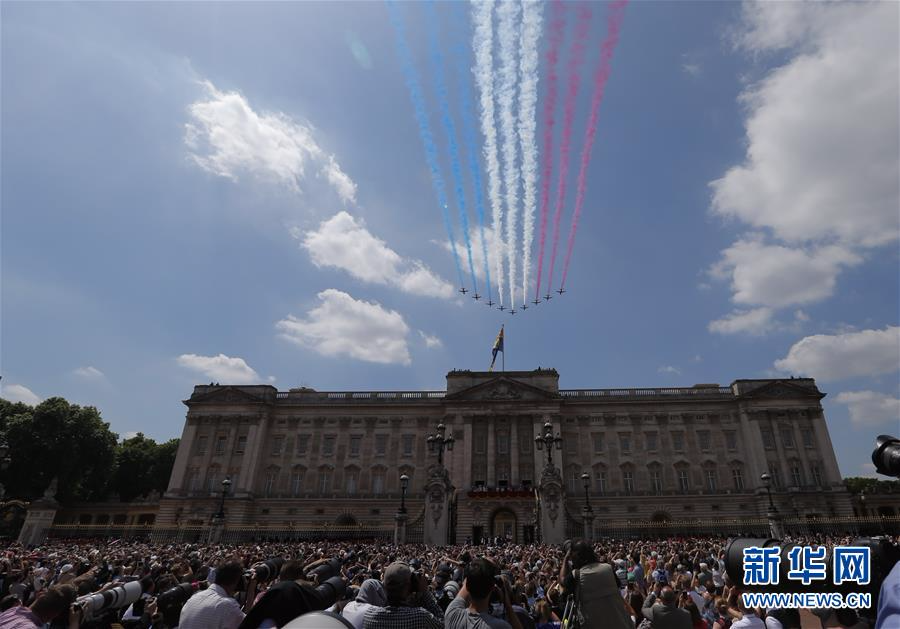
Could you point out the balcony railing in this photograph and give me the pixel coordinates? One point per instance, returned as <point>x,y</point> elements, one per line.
<point>692,392</point>
<point>406,396</point>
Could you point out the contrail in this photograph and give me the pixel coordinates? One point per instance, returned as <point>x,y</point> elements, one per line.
<point>483,44</point>
<point>471,142</point>
<point>418,102</point>
<point>508,29</point>
<point>437,69</point>
<point>557,31</point>
<point>613,26</point>
<point>532,20</point>
<point>576,58</point>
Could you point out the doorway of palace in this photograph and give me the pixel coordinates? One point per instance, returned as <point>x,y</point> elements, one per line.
<point>503,525</point>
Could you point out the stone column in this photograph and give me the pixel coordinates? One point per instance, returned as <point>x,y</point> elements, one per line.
<point>185,449</point>
<point>39,517</point>
<point>438,490</point>
<point>492,453</point>
<point>514,478</point>
<point>552,506</point>
<point>400,521</point>
<point>588,514</point>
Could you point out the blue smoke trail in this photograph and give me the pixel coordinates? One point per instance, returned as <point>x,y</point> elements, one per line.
<point>418,102</point>
<point>468,123</point>
<point>437,69</point>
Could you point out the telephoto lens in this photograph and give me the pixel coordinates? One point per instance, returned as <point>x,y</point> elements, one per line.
<point>267,570</point>
<point>332,590</point>
<point>113,598</point>
<point>170,602</point>
<point>325,571</point>
<point>886,456</point>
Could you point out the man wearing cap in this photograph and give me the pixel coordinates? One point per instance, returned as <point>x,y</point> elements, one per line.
<point>409,603</point>
<point>665,614</point>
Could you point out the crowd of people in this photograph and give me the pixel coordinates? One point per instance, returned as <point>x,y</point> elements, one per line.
<point>676,583</point>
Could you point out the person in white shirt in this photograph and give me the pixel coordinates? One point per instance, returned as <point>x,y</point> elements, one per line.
<point>371,595</point>
<point>215,607</point>
<point>749,620</point>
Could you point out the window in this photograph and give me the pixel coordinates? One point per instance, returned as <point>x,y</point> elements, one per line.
<point>408,445</point>
<point>302,444</point>
<point>378,482</point>
<point>628,481</point>
<point>211,478</point>
<point>598,442</point>
<point>503,443</point>
<point>574,481</point>
<point>328,445</point>
<point>731,440</point>
<point>656,481</point>
<point>271,479</point>
<point>324,480</point>
<point>796,474</point>
<point>601,482</point>
<point>277,445</point>
<point>380,445</point>
<point>234,477</point>
<point>571,445</point>
<point>193,479</point>
<point>524,444</point>
<point>201,444</point>
<point>787,437</point>
<point>737,476</point>
<point>352,481</point>
<point>808,441</point>
<point>816,473</point>
<point>703,438</point>
<point>220,445</point>
<point>297,481</point>
<point>711,479</point>
<point>678,441</point>
<point>775,473</point>
<point>241,444</point>
<point>768,439</point>
<point>625,442</point>
<point>684,483</point>
<point>651,440</point>
<point>355,441</point>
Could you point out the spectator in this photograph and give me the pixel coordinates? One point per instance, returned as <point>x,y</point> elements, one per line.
<point>665,614</point>
<point>51,604</point>
<point>596,589</point>
<point>215,607</point>
<point>471,608</point>
<point>371,595</point>
<point>409,603</point>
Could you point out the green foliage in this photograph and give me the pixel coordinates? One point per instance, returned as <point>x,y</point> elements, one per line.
<point>858,484</point>
<point>72,443</point>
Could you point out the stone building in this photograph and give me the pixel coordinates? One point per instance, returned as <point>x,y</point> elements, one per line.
<point>307,458</point>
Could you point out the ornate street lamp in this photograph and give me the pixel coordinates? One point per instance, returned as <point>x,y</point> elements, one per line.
<point>775,530</point>
<point>548,440</point>
<point>767,482</point>
<point>226,485</point>
<point>586,481</point>
<point>404,483</point>
<point>587,512</point>
<point>438,442</point>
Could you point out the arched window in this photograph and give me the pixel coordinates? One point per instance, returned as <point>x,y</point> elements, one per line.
<point>271,482</point>
<point>816,473</point>
<point>351,480</point>
<point>212,478</point>
<point>737,477</point>
<point>796,473</point>
<point>683,476</point>
<point>656,481</point>
<point>628,479</point>
<point>298,475</point>
<point>325,479</point>
<point>601,482</point>
<point>710,477</point>
<point>378,474</point>
<point>574,480</point>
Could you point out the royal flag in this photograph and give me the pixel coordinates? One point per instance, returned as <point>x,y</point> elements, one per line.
<point>498,347</point>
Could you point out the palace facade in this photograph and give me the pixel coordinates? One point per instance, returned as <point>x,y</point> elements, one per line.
<point>307,458</point>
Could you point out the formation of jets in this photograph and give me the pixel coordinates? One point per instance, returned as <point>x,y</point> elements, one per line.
<point>490,303</point>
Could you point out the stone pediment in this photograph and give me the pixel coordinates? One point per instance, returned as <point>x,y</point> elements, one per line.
<point>224,395</point>
<point>784,389</point>
<point>502,389</point>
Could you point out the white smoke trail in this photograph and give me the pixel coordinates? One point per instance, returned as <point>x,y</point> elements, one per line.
<point>532,19</point>
<point>509,13</point>
<point>483,45</point>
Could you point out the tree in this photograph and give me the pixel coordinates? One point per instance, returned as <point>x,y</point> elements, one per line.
<point>860,484</point>
<point>142,466</point>
<point>56,439</point>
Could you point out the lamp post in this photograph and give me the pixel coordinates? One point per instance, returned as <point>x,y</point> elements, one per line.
<point>775,530</point>
<point>226,484</point>
<point>401,517</point>
<point>587,512</point>
<point>438,442</point>
<point>547,440</point>
<point>218,519</point>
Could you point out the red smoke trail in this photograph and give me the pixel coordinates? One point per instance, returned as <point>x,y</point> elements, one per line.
<point>556,34</point>
<point>613,25</point>
<point>576,58</point>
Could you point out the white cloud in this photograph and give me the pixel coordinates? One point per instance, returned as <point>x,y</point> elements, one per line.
<point>755,322</point>
<point>692,69</point>
<point>822,155</point>
<point>89,373</point>
<point>835,357</point>
<point>870,408</point>
<point>778,276</point>
<point>431,342</point>
<point>477,252</point>
<point>227,137</point>
<point>221,368</point>
<point>131,434</point>
<point>343,326</point>
<point>19,393</point>
<point>344,242</point>
<point>669,369</point>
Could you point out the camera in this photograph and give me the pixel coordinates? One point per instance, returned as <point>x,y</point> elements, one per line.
<point>93,605</point>
<point>886,456</point>
<point>265,570</point>
<point>170,602</point>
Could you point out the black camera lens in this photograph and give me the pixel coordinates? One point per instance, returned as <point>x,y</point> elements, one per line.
<point>886,456</point>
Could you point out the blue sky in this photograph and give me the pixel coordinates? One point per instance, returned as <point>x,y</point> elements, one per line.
<point>238,192</point>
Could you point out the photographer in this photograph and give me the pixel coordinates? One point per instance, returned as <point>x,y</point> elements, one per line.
<point>598,601</point>
<point>664,613</point>
<point>51,604</point>
<point>470,609</point>
<point>409,603</point>
<point>371,595</point>
<point>216,606</point>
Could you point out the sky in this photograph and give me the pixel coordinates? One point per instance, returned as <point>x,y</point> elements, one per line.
<point>238,192</point>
